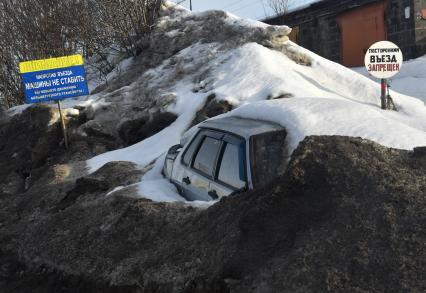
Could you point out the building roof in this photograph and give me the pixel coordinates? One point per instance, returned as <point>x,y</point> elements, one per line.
<point>241,126</point>
<point>302,5</point>
<point>319,7</point>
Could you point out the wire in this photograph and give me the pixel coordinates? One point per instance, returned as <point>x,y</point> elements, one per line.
<point>231,4</point>
<point>248,5</point>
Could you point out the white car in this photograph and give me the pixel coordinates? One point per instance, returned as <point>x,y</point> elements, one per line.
<point>227,156</point>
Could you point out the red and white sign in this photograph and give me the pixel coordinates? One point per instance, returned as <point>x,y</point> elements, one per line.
<point>383,59</point>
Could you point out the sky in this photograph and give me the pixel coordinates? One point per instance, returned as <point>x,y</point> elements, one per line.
<point>254,9</point>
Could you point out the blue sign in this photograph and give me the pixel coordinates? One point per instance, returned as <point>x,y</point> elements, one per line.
<point>56,80</point>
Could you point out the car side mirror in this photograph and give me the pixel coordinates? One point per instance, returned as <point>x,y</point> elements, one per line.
<point>174,151</point>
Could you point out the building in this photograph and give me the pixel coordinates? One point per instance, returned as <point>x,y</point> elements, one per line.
<point>343,30</point>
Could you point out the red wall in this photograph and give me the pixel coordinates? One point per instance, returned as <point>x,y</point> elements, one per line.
<point>360,28</point>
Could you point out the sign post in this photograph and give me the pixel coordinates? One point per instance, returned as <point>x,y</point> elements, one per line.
<point>383,60</point>
<point>383,98</point>
<point>64,128</point>
<point>54,79</point>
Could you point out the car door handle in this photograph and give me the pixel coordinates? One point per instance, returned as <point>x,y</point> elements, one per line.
<point>213,194</point>
<point>186,180</point>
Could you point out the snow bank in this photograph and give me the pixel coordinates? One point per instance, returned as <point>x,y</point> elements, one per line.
<point>148,150</point>
<point>318,98</point>
<point>411,80</point>
<point>155,187</point>
<point>326,99</point>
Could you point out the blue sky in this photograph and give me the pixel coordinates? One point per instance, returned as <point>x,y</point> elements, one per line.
<point>255,9</point>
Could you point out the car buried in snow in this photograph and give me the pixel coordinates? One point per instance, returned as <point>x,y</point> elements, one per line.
<point>226,156</point>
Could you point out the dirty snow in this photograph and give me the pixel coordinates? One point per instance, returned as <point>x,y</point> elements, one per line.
<point>328,99</point>
<point>148,150</point>
<point>324,98</point>
<point>17,109</point>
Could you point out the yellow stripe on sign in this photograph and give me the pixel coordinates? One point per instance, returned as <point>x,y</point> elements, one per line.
<point>51,63</point>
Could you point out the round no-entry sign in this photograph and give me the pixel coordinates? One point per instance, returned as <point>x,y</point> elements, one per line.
<point>383,59</point>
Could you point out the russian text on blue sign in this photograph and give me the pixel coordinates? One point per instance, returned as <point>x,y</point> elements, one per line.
<point>54,79</point>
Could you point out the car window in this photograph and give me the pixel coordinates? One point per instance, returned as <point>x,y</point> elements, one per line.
<point>269,156</point>
<point>191,149</point>
<point>206,157</point>
<point>232,166</point>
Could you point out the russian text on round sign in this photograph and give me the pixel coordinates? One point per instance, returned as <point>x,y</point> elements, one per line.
<point>383,59</point>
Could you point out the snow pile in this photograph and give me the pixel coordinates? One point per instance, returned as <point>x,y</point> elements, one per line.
<point>411,80</point>
<point>326,99</point>
<point>315,95</point>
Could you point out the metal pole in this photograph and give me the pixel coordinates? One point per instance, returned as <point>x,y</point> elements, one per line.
<point>383,97</point>
<point>190,5</point>
<point>64,129</point>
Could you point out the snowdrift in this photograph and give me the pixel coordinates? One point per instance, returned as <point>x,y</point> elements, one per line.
<point>411,80</point>
<point>321,98</point>
<point>348,215</point>
<point>253,67</point>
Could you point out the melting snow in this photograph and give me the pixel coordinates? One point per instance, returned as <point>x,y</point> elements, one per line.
<point>327,99</point>
<point>324,98</point>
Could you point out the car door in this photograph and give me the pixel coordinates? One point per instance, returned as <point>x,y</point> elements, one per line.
<point>196,179</point>
<point>231,170</point>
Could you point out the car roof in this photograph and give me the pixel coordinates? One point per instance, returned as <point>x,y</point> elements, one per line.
<point>241,126</point>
